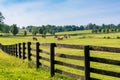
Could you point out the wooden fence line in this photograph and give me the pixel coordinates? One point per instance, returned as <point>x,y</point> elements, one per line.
<point>19,50</point>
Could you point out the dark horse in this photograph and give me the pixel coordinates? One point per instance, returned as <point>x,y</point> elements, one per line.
<point>43,36</point>
<point>34,38</point>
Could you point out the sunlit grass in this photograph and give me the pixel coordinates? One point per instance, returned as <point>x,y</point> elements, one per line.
<point>87,39</point>
<point>12,68</point>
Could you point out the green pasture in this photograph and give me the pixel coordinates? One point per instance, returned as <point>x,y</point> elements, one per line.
<point>76,32</point>
<point>12,68</point>
<point>83,39</point>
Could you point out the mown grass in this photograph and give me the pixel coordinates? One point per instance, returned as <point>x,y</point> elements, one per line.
<point>87,39</point>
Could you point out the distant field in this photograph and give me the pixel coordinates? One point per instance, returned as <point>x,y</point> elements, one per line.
<point>84,39</point>
<point>21,32</point>
<point>87,39</point>
<point>75,32</point>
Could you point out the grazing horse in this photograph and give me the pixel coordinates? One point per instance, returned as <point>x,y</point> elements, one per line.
<point>34,38</point>
<point>60,38</point>
<point>43,36</point>
<point>67,36</point>
<point>55,36</point>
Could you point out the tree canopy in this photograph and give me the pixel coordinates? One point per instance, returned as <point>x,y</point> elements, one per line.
<point>14,29</point>
<point>1,18</point>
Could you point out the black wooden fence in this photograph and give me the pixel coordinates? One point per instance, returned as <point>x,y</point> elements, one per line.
<point>24,50</point>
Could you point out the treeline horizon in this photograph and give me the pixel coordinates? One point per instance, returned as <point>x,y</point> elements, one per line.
<point>52,29</point>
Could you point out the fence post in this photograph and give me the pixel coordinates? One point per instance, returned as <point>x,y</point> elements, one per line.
<point>0,45</point>
<point>24,48</point>
<point>12,50</point>
<point>19,50</point>
<point>37,54</point>
<point>87,62</point>
<point>52,52</point>
<point>4,48</point>
<point>16,50</point>
<point>29,51</point>
<point>9,49</point>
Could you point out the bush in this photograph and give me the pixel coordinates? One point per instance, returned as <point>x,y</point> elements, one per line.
<point>1,35</point>
<point>108,37</point>
<point>25,33</point>
<point>104,37</point>
<point>118,37</point>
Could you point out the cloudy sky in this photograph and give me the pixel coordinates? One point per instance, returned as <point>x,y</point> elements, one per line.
<point>60,12</point>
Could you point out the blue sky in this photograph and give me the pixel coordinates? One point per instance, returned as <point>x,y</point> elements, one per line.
<point>60,12</point>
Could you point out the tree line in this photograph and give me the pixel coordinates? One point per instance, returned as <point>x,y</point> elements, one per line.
<point>110,28</point>
<point>4,28</point>
<point>52,29</point>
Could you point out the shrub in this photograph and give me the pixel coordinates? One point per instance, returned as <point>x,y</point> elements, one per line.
<point>108,37</point>
<point>118,37</point>
<point>25,33</point>
<point>104,37</point>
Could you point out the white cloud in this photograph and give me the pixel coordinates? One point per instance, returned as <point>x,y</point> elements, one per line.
<point>68,12</point>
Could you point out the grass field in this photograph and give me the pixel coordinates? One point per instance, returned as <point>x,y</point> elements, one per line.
<point>87,39</point>
<point>12,68</point>
<point>76,32</point>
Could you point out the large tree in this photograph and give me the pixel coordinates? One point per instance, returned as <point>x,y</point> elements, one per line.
<point>5,28</point>
<point>1,18</point>
<point>14,29</point>
<point>1,21</point>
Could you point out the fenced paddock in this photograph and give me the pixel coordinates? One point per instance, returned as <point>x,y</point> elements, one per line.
<point>88,63</point>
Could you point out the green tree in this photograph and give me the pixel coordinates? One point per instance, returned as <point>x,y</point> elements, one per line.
<point>1,27</point>
<point>99,30</point>
<point>43,30</point>
<point>6,29</point>
<point>103,30</point>
<point>25,33</point>
<point>29,28</point>
<point>107,30</point>
<point>1,21</point>
<point>14,29</point>
<point>1,18</point>
<point>34,30</point>
<point>52,32</point>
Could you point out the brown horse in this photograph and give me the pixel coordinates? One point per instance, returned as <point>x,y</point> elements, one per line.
<point>55,36</point>
<point>43,36</point>
<point>67,36</point>
<point>34,38</point>
<point>60,38</point>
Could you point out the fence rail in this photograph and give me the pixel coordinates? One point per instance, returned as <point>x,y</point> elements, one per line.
<point>24,51</point>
